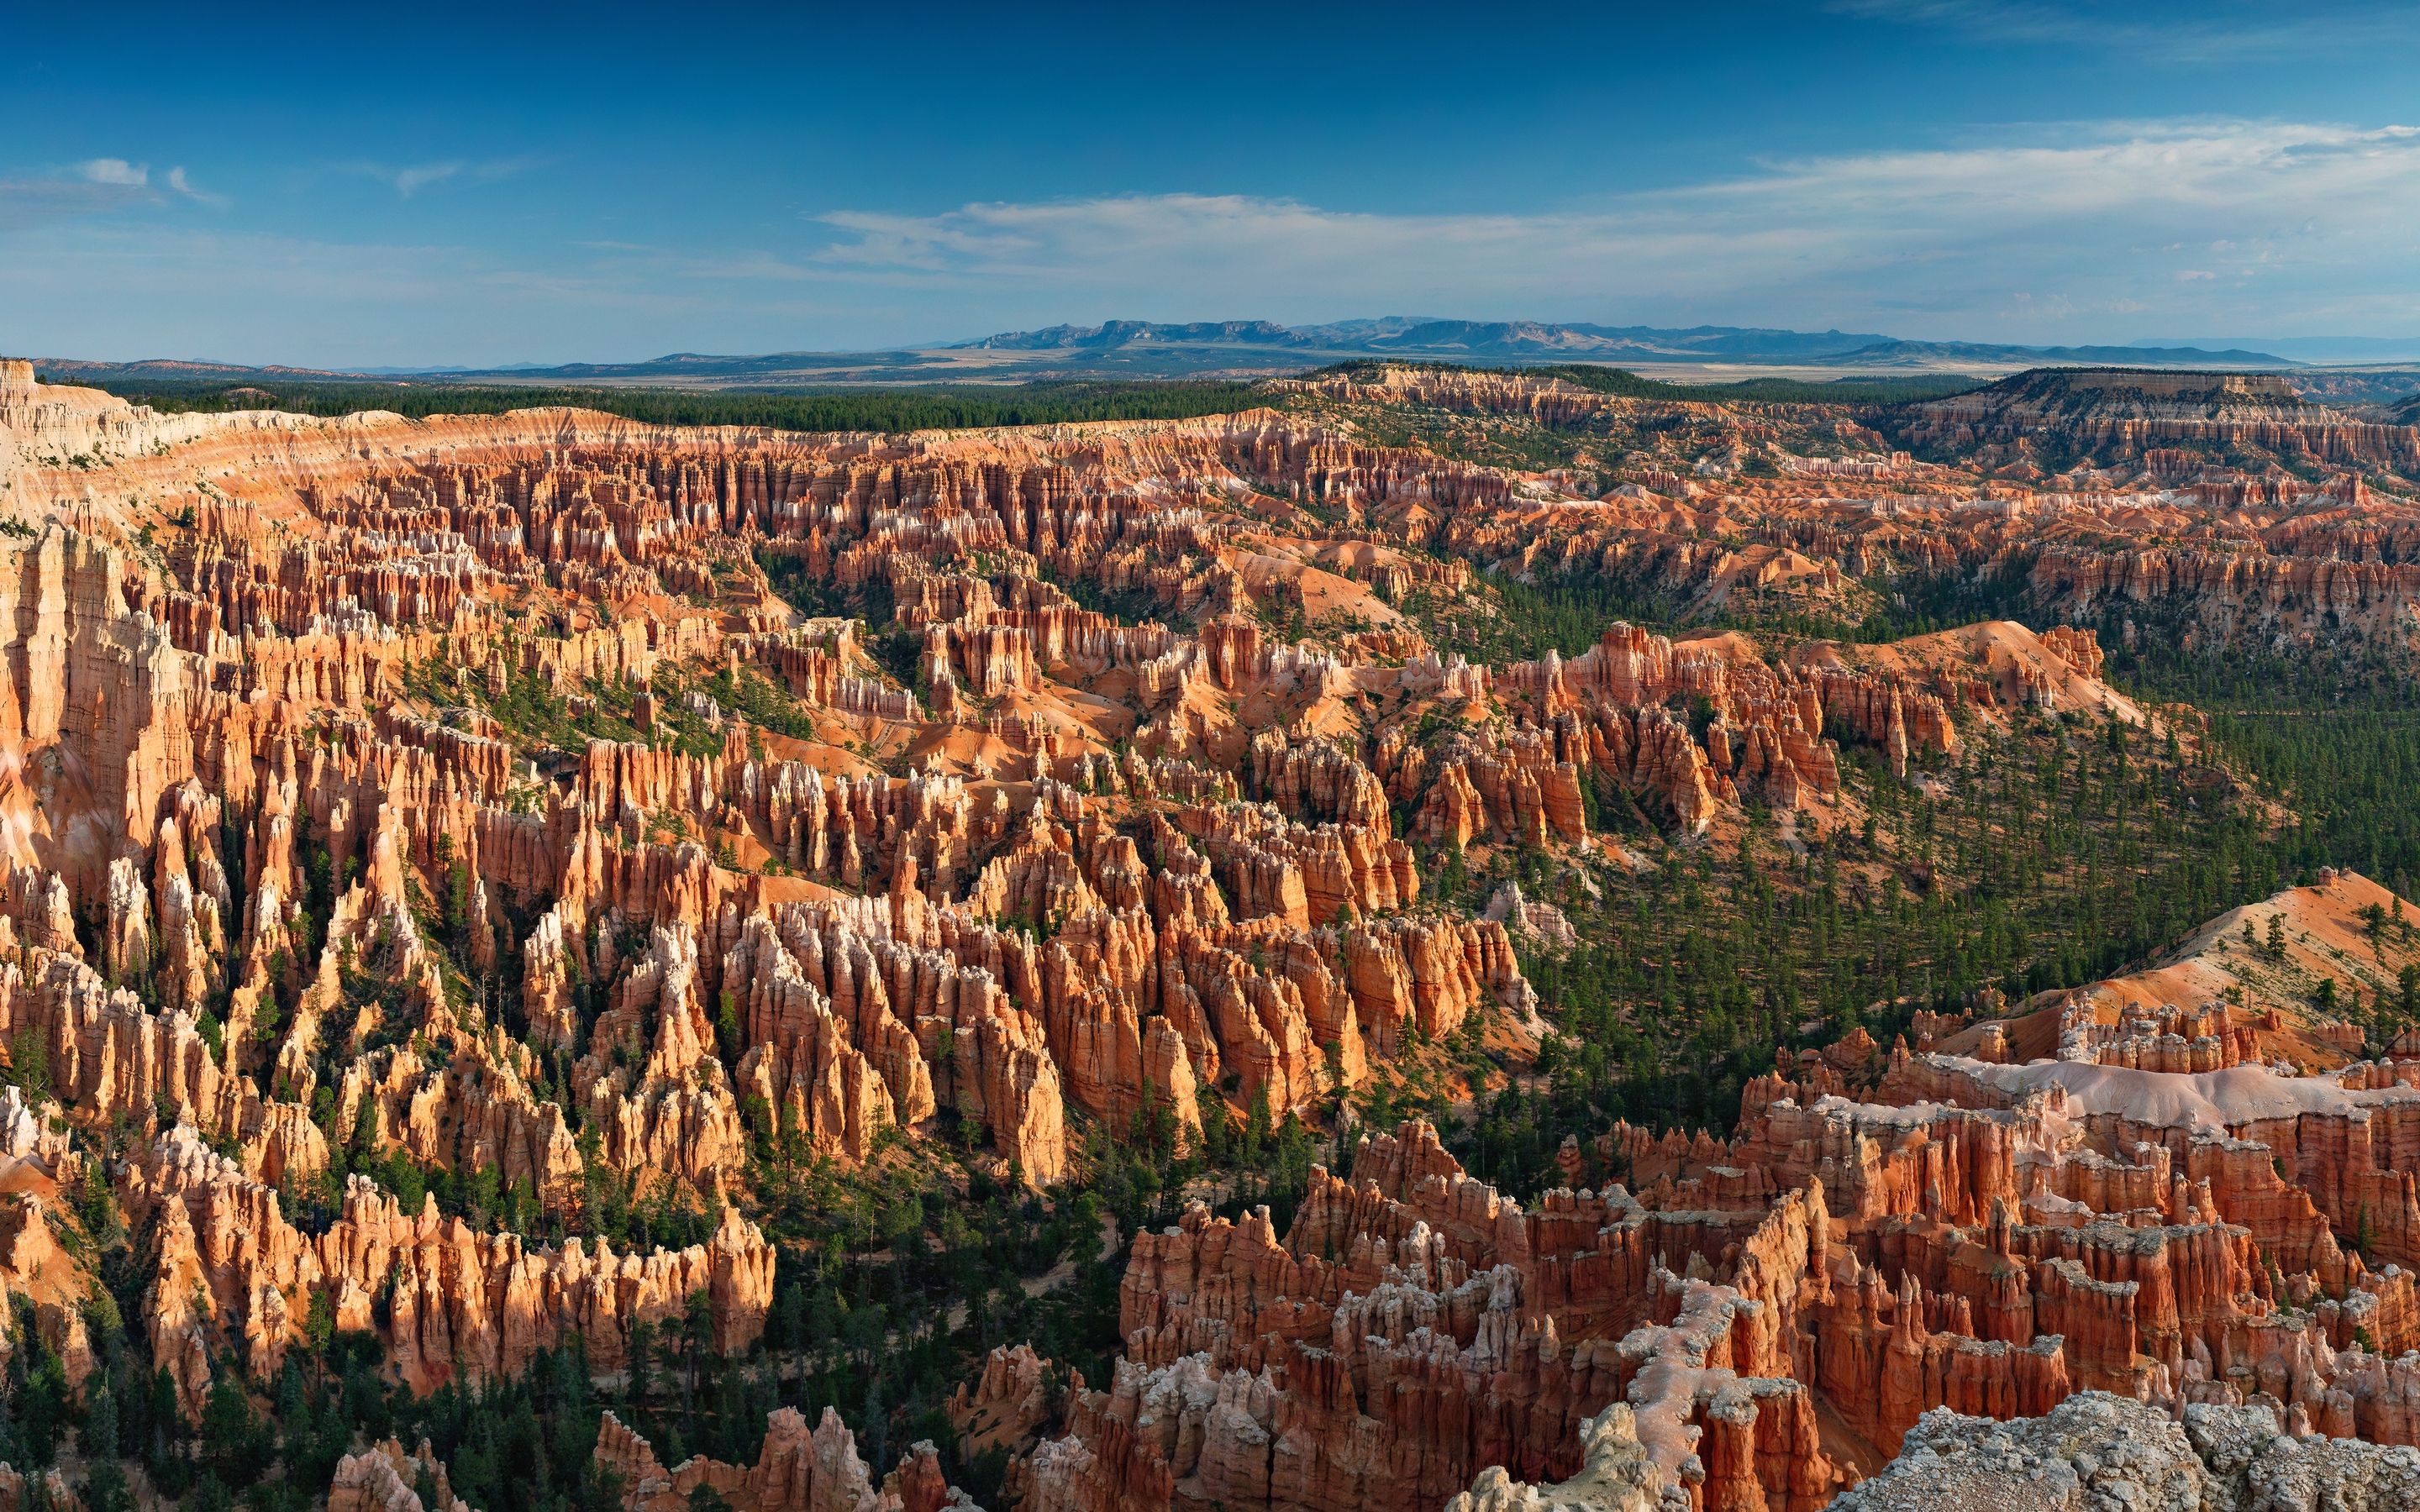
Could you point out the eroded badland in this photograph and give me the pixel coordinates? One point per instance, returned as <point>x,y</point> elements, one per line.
<point>1454,939</point>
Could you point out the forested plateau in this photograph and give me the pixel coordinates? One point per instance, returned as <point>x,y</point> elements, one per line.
<point>1430,938</point>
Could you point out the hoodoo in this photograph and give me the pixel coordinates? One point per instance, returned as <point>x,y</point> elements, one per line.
<point>1159,965</point>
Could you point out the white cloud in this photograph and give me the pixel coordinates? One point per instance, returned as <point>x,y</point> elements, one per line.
<point>96,186</point>
<point>2087,219</point>
<point>2082,232</point>
<point>115,171</point>
<point>409,179</point>
<point>179,181</point>
<point>27,203</point>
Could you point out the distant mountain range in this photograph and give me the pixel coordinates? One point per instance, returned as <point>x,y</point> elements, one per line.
<point>1146,348</point>
<point>71,369</point>
<point>1425,336</point>
<point>442,372</point>
<point>1935,353</point>
<point>2306,348</point>
<point>1519,339</point>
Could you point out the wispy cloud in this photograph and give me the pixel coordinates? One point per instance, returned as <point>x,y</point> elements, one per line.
<point>2085,231</point>
<point>136,288</point>
<point>2066,223</point>
<point>115,171</point>
<point>98,186</point>
<point>182,184</point>
<point>412,179</point>
<point>2213,32</point>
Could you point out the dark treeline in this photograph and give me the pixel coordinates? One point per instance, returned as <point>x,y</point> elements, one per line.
<point>2331,731</point>
<point>1904,607</point>
<point>888,410</point>
<point>1568,613</point>
<point>1624,383</point>
<point>1856,391</point>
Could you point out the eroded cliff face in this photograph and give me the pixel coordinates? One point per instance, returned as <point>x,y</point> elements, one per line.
<point>465,790</point>
<point>382,1478</point>
<point>2145,1239</point>
<point>2213,509</point>
<point>462,791</point>
<point>458,1306</point>
<point>1414,1328</point>
<point>2123,413</point>
<point>798,1469</point>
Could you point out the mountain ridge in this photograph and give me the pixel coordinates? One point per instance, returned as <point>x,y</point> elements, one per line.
<point>1132,347</point>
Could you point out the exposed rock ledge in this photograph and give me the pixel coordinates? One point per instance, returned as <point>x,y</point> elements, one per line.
<point>2093,1451</point>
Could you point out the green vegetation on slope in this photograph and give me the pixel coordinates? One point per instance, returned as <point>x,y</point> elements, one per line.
<point>2331,733</point>
<point>1854,391</point>
<point>2064,855</point>
<point>2048,861</point>
<point>1502,619</point>
<point>889,411</point>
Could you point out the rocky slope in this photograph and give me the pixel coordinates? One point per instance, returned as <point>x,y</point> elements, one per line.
<point>2094,1451</point>
<point>799,1471</point>
<point>475,794</point>
<point>1746,1322</point>
<point>2212,508</point>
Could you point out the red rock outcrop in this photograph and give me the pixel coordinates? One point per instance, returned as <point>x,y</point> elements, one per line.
<point>474,768</point>
<point>1008,1404</point>
<point>797,1470</point>
<point>382,1477</point>
<point>462,1304</point>
<point>1413,1327</point>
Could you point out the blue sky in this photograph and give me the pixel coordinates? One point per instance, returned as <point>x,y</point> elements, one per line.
<point>436,185</point>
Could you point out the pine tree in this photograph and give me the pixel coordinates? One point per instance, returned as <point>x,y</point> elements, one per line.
<point>1256,1126</point>
<point>104,1487</point>
<point>601,1486</point>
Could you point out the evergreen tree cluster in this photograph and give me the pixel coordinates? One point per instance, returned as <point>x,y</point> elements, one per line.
<point>956,407</point>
